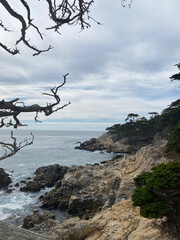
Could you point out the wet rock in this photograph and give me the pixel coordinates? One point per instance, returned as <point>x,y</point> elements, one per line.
<point>4,178</point>
<point>31,186</point>
<point>7,190</point>
<point>46,176</point>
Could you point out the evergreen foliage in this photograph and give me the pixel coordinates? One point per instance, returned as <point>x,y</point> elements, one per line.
<point>150,184</point>
<point>167,125</point>
<point>155,210</point>
<point>173,144</point>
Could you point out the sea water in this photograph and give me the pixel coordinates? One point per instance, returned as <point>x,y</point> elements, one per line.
<point>49,147</point>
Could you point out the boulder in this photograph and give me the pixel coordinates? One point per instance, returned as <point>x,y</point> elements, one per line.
<point>31,186</point>
<point>36,218</point>
<point>46,176</point>
<point>4,178</point>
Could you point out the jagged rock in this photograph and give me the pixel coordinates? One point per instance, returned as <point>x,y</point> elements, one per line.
<point>36,218</point>
<point>86,190</point>
<point>46,176</point>
<point>4,178</point>
<point>79,192</point>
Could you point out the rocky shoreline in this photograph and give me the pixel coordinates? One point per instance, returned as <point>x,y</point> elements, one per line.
<point>99,199</point>
<point>114,143</point>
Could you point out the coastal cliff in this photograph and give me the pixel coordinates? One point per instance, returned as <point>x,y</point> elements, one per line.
<point>101,196</point>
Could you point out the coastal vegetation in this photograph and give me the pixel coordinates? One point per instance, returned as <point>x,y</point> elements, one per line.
<point>158,192</point>
<point>167,125</point>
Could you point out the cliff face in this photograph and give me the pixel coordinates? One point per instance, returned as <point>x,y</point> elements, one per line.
<point>106,189</point>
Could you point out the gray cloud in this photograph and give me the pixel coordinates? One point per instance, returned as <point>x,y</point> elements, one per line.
<point>115,68</point>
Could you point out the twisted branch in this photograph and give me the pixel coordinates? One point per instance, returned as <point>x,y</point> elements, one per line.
<point>60,12</point>
<point>12,108</point>
<point>11,149</point>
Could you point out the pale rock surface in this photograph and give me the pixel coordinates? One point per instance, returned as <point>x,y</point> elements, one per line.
<point>121,222</point>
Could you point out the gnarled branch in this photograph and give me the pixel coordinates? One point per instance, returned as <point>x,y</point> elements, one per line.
<point>60,12</point>
<point>12,108</point>
<point>11,149</point>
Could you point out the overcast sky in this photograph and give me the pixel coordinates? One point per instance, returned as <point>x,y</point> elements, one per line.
<point>118,67</point>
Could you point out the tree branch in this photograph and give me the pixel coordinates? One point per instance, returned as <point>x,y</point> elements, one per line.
<point>11,149</point>
<point>60,12</point>
<point>12,109</point>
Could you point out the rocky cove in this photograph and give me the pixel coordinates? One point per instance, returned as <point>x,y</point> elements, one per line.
<point>98,197</point>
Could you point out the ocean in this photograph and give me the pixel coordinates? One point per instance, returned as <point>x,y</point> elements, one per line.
<point>49,147</point>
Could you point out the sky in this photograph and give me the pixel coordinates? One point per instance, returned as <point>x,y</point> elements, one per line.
<point>119,67</point>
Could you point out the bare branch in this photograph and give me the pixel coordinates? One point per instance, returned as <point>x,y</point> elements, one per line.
<point>60,12</point>
<point>123,3</point>
<point>11,109</point>
<point>11,149</point>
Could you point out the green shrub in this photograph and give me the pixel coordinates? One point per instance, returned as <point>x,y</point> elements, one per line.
<point>173,144</point>
<point>164,176</point>
<point>155,210</point>
<point>148,193</point>
<point>141,196</point>
<point>141,179</point>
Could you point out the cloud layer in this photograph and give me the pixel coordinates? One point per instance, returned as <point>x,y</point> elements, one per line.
<point>118,67</point>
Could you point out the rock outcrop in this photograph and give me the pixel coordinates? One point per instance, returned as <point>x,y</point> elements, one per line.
<point>46,176</point>
<point>86,190</point>
<point>113,143</point>
<point>120,222</point>
<point>35,218</point>
<point>101,194</point>
<point>4,178</point>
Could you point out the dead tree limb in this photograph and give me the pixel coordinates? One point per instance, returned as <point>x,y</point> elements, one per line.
<point>12,109</point>
<point>60,12</point>
<point>11,149</point>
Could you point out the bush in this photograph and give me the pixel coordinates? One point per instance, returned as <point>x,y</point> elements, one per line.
<point>141,196</point>
<point>150,185</point>
<point>155,210</point>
